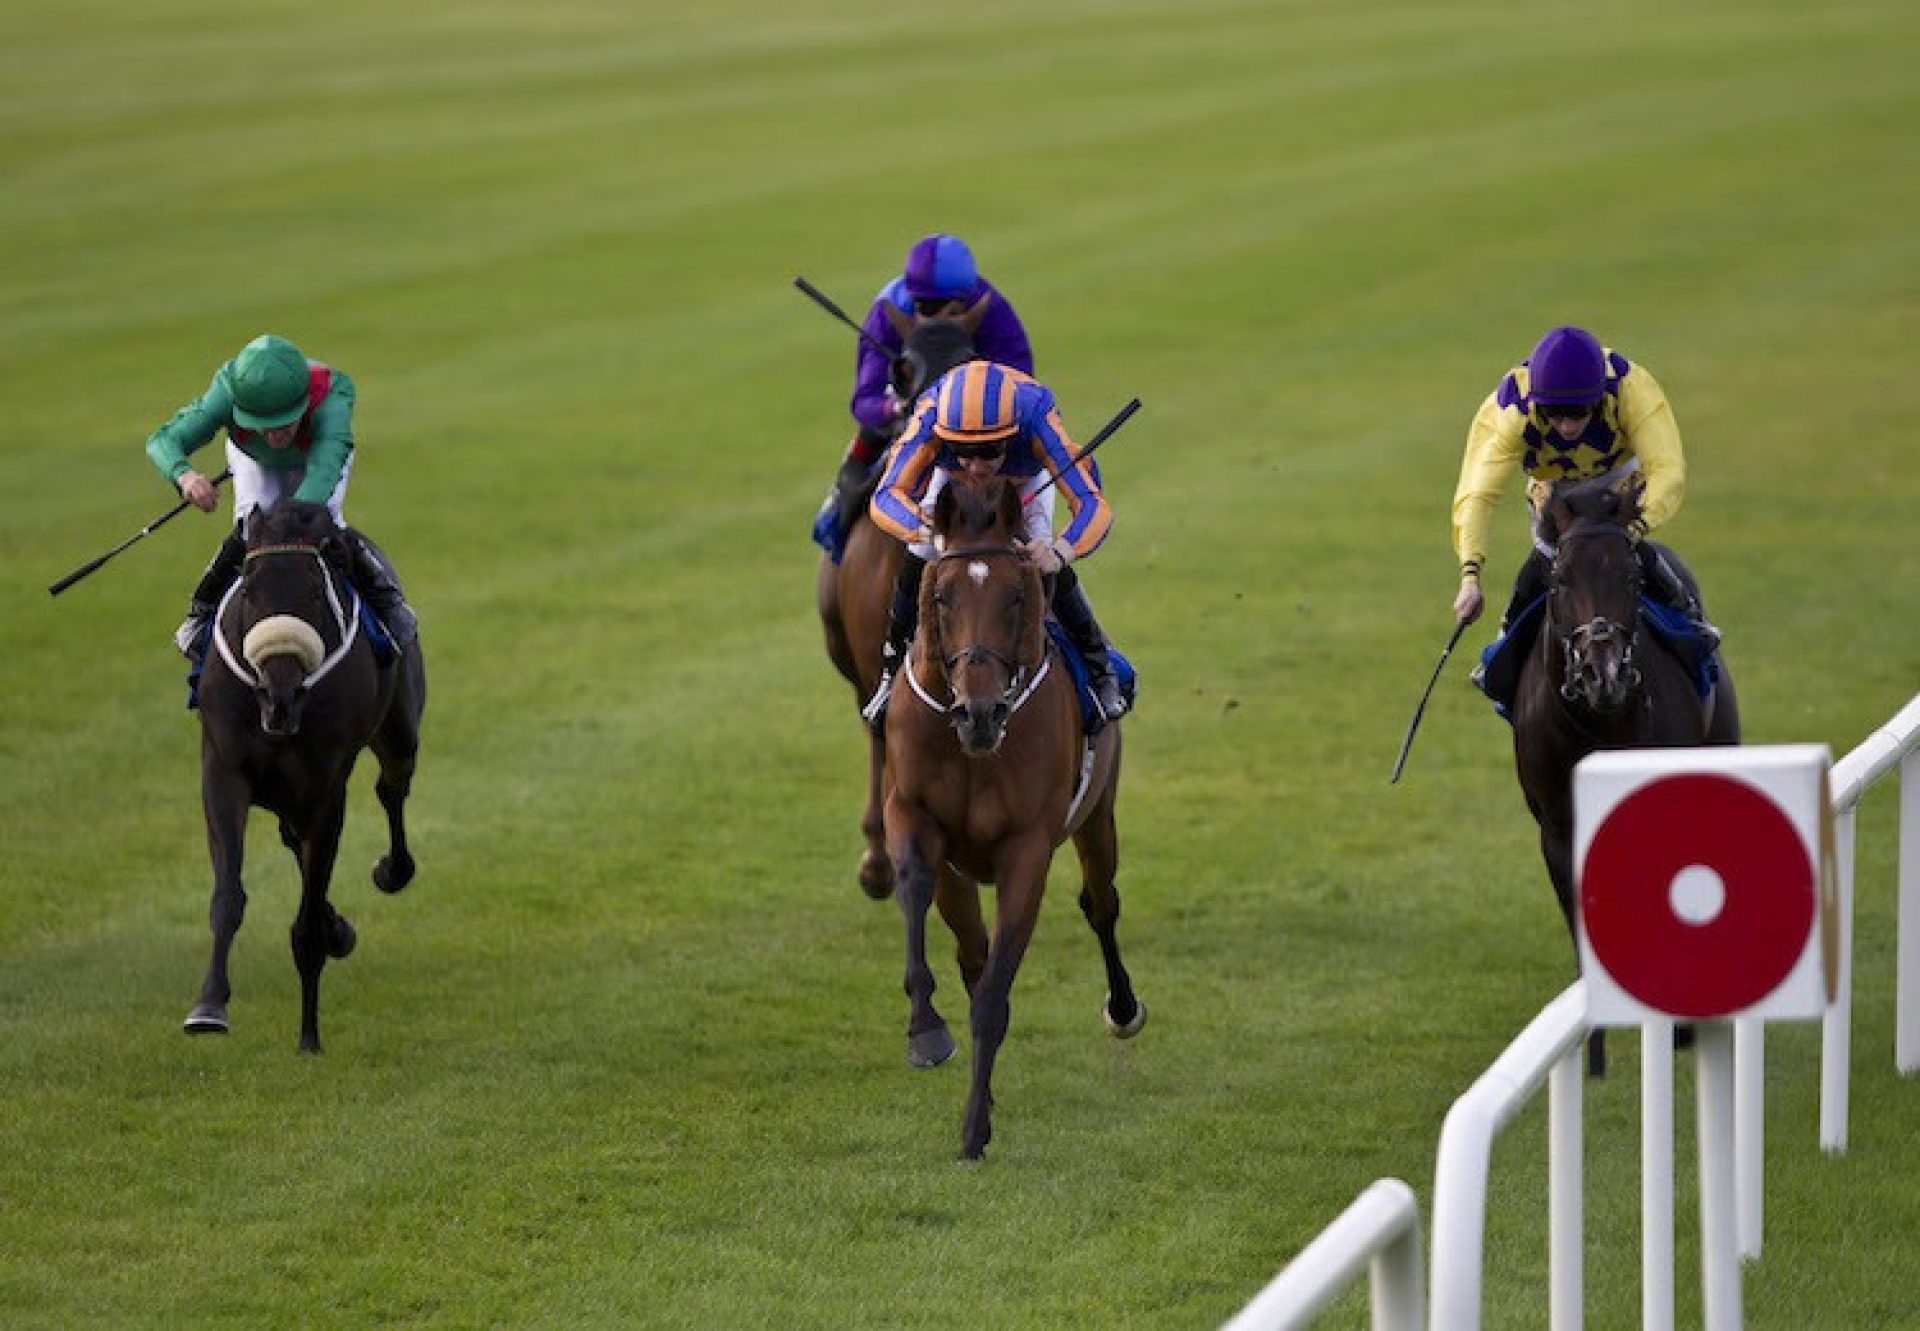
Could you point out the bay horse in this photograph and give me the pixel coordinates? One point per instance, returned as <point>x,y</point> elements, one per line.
<point>290,695</point>
<point>1598,677</point>
<point>853,595</point>
<point>991,770</point>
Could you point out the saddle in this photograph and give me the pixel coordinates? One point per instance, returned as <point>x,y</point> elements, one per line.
<point>1498,674</point>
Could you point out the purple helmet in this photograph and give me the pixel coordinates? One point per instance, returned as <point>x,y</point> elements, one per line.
<point>1567,369</point>
<point>940,266</point>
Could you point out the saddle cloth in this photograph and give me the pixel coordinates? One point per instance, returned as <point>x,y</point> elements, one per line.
<point>1091,719</point>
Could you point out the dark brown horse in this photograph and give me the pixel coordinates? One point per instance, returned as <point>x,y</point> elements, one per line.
<point>991,770</point>
<point>1598,677</point>
<point>291,694</point>
<point>853,595</point>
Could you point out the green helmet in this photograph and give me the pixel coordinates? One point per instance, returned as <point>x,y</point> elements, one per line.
<point>268,380</point>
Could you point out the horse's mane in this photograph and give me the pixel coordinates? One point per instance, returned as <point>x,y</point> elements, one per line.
<point>974,511</point>
<point>1596,500</point>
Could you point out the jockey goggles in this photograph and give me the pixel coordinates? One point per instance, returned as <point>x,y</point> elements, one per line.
<point>1563,411</point>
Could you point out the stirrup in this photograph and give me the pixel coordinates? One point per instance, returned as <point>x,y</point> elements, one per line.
<point>876,708</point>
<point>1107,696</point>
<point>194,627</point>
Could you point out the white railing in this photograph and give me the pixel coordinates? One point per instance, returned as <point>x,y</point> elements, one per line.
<point>1382,1225</point>
<point>1379,1232</point>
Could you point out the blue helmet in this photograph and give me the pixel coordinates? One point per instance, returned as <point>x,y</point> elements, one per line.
<point>940,267</point>
<point>1567,369</point>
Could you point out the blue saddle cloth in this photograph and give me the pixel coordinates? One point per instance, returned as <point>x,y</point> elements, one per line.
<point>1091,718</point>
<point>1499,674</point>
<point>829,533</point>
<point>384,651</point>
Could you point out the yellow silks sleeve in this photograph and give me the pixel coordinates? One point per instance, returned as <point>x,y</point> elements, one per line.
<point>1495,446</point>
<point>1647,424</point>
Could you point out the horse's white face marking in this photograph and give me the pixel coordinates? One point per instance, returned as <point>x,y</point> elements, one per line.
<point>977,570</point>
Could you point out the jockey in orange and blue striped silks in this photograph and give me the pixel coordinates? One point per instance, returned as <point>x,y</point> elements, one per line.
<point>984,417</point>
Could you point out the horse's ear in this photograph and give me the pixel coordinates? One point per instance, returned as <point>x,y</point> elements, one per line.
<point>943,509</point>
<point>975,313</point>
<point>1009,505</point>
<point>250,525</point>
<point>902,323</point>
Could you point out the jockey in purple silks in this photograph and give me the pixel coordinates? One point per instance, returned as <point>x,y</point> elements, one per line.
<point>940,280</point>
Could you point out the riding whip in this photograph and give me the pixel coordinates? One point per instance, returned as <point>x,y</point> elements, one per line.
<point>820,298</point>
<point>157,523</point>
<point>1406,745</point>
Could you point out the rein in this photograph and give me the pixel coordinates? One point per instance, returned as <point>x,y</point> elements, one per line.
<point>346,626</point>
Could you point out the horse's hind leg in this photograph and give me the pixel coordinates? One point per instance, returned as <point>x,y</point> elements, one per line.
<point>876,870</point>
<point>226,799</point>
<point>396,745</point>
<point>959,902</point>
<point>1098,845</point>
<point>318,930</point>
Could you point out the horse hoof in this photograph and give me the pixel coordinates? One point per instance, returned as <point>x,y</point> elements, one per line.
<point>390,877</point>
<point>344,938</point>
<point>1124,1030</point>
<point>929,1049</point>
<point>876,876</point>
<point>206,1019</point>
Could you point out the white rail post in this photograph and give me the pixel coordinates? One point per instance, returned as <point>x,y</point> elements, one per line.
<point>1566,1229</point>
<point>1719,1244</point>
<point>1749,1129</point>
<point>1836,1028</point>
<point>1656,1176</point>
<point>1379,1230</point>
<point>1906,1037</point>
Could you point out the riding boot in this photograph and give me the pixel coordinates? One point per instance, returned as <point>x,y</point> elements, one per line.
<point>374,579</point>
<point>849,493</point>
<point>903,615</point>
<point>1529,585</point>
<point>1666,583</point>
<point>221,571</point>
<point>1076,617</point>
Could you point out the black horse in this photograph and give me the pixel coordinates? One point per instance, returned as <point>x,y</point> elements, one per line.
<point>852,595</point>
<point>1598,677</point>
<point>291,693</point>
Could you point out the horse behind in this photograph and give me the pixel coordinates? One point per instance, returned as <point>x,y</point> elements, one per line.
<point>1598,678</point>
<point>853,595</point>
<point>991,770</point>
<point>290,695</point>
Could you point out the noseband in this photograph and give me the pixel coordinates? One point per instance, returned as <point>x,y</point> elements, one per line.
<point>1578,642</point>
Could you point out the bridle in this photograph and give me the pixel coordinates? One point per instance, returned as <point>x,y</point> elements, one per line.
<point>346,626</point>
<point>1578,642</point>
<point>1022,679</point>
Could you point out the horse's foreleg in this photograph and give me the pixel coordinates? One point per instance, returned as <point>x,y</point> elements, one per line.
<point>929,1043</point>
<point>1556,848</point>
<point>318,930</point>
<point>876,870</point>
<point>1022,879</point>
<point>958,899</point>
<point>226,798</point>
<point>1098,845</point>
<point>396,745</point>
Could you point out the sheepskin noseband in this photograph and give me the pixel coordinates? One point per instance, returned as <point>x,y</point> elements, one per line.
<point>283,635</point>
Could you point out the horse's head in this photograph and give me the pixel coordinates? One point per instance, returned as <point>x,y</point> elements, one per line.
<point>1593,607</point>
<point>982,608</point>
<point>931,346</point>
<point>285,595</point>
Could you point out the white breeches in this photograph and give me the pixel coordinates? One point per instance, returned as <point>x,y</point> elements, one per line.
<point>254,486</point>
<point>1036,509</point>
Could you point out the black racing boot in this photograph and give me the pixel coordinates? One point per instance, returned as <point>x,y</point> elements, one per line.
<point>903,616</point>
<point>374,579</point>
<point>1529,585</point>
<point>850,492</point>
<point>1665,582</point>
<point>1076,617</point>
<point>221,571</point>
